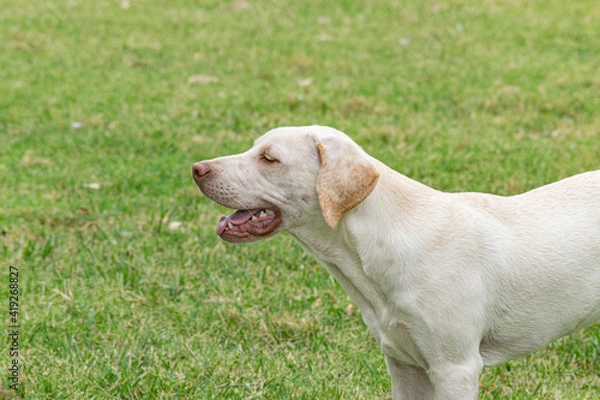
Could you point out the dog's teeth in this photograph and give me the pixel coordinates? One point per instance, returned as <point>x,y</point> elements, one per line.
<point>270,212</point>
<point>262,214</point>
<point>229,225</point>
<point>253,218</point>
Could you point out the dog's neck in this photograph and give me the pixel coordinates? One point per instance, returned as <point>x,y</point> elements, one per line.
<point>337,249</point>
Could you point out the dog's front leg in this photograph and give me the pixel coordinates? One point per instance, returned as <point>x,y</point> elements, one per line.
<point>456,381</point>
<point>408,383</point>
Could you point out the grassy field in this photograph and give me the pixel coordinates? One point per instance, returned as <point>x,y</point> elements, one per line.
<point>125,290</point>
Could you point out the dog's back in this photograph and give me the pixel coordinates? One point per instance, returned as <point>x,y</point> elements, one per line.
<point>549,282</point>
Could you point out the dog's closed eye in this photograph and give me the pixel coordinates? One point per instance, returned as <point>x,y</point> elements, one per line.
<point>268,158</point>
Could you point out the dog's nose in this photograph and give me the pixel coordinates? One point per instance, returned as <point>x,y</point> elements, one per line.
<point>200,170</point>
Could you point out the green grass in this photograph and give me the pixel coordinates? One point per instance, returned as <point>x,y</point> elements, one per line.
<point>489,95</point>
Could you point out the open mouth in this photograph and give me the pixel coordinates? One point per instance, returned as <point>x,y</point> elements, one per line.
<point>243,223</point>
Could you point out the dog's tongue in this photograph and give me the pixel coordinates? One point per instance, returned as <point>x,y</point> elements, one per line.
<point>237,218</point>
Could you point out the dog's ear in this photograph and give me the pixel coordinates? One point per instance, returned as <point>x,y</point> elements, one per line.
<point>346,177</point>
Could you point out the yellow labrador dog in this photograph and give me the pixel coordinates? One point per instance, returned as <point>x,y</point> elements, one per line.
<point>447,282</point>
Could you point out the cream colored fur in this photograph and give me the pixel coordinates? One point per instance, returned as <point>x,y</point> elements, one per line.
<point>446,282</point>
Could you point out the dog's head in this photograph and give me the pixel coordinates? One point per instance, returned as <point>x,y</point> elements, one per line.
<point>291,176</point>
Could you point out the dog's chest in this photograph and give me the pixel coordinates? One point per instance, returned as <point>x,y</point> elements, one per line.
<point>391,329</point>
<point>377,289</point>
